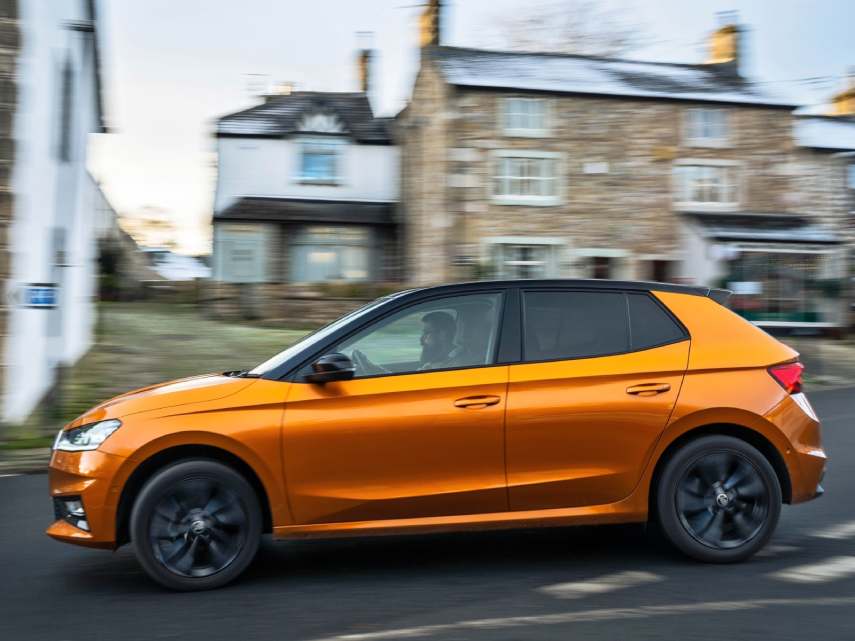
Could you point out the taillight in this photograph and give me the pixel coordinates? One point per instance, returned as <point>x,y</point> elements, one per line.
<point>789,375</point>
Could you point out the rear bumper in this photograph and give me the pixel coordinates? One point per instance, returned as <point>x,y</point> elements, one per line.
<point>804,456</point>
<point>90,476</point>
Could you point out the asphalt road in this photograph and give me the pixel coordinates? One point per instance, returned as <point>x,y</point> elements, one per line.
<point>573,583</point>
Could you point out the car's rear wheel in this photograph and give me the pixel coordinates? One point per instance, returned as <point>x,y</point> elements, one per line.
<point>718,499</point>
<point>196,525</point>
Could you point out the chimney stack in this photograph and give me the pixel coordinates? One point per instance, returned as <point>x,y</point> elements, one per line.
<point>843,103</point>
<point>430,24</point>
<point>727,44</point>
<point>364,58</point>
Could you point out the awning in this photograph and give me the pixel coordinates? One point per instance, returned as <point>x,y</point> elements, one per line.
<point>754,227</point>
<point>261,209</point>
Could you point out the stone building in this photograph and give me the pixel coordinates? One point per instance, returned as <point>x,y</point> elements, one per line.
<point>531,165</point>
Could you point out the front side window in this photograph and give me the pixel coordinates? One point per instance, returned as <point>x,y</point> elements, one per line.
<point>526,116</point>
<point>453,332</point>
<point>850,177</point>
<point>526,178</point>
<point>706,126</point>
<point>319,160</point>
<point>706,184</point>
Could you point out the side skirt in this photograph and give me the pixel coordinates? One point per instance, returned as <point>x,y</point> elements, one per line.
<point>626,511</point>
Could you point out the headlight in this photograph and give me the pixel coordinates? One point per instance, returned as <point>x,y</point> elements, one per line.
<point>85,438</point>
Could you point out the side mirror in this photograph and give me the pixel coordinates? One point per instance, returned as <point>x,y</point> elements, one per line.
<point>331,367</point>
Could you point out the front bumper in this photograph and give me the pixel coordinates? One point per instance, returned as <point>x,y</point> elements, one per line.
<point>95,478</point>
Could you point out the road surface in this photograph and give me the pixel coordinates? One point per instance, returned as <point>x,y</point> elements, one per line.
<point>604,583</point>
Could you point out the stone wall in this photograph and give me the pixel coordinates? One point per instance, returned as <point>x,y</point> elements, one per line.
<point>9,49</point>
<point>450,134</point>
<point>289,304</point>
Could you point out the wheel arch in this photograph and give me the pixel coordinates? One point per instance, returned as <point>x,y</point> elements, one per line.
<point>749,435</point>
<point>160,459</point>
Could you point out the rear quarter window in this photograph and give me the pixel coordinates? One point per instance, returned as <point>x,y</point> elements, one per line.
<point>650,324</point>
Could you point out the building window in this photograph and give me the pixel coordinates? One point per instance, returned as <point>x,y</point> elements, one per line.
<point>526,178</point>
<point>713,184</point>
<point>518,260</point>
<point>321,254</point>
<point>526,116</point>
<point>706,127</point>
<point>319,161</point>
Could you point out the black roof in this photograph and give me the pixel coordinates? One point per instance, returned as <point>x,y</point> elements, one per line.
<point>719,295</point>
<point>280,116</point>
<point>596,75</point>
<point>259,208</point>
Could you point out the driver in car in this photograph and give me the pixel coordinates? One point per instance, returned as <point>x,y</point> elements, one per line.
<point>437,342</point>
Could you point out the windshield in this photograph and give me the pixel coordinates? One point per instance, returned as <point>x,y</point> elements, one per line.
<point>316,337</point>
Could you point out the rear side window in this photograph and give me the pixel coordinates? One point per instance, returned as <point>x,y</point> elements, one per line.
<point>651,325</point>
<point>564,325</point>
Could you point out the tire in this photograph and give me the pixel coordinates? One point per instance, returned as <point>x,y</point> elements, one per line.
<point>718,500</point>
<point>196,525</point>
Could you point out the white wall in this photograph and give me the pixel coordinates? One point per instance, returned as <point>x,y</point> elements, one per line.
<point>48,196</point>
<point>267,167</point>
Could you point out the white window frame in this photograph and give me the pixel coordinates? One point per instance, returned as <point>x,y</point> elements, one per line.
<point>496,158</point>
<point>693,127</point>
<point>494,247</point>
<point>525,132</point>
<point>677,187</point>
<point>304,141</point>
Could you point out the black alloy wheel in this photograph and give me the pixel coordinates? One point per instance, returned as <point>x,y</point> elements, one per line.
<point>718,499</point>
<point>196,525</point>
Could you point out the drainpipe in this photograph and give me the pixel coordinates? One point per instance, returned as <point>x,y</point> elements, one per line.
<point>846,284</point>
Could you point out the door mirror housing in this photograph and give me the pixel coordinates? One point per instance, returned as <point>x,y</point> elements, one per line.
<point>331,367</point>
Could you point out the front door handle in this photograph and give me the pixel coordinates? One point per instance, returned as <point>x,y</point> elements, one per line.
<point>648,389</point>
<point>476,402</point>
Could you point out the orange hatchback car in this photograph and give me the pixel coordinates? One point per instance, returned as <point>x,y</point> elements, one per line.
<point>479,405</point>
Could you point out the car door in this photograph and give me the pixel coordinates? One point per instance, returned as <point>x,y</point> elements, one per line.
<point>413,435</point>
<point>600,375</point>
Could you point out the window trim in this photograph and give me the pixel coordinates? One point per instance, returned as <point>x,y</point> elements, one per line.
<point>318,139</point>
<point>530,201</point>
<point>677,187</point>
<point>295,376</point>
<point>694,141</point>
<point>626,293</point>
<point>517,132</point>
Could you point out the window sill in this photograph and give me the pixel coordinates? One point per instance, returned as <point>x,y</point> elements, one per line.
<point>328,182</point>
<point>709,143</point>
<point>527,133</point>
<point>526,202</point>
<point>710,207</point>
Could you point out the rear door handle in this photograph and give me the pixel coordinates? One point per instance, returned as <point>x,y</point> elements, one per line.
<point>476,402</point>
<point>648,389</point>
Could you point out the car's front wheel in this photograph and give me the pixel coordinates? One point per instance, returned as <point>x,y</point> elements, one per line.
<point>196,525</point>
<point>718,499</point>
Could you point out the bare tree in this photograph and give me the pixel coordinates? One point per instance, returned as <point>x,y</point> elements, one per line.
<point>570,26</point>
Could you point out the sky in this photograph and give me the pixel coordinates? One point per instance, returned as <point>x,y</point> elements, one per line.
<point>173,66</point>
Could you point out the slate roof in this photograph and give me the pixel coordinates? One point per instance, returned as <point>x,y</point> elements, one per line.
<point>257,208</point>
<point>280,115</point>
<point>829,132</point>
<point>577,74</point>
<point>762,227</point>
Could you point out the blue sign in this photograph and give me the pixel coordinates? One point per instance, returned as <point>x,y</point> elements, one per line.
<point>42,295</point>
